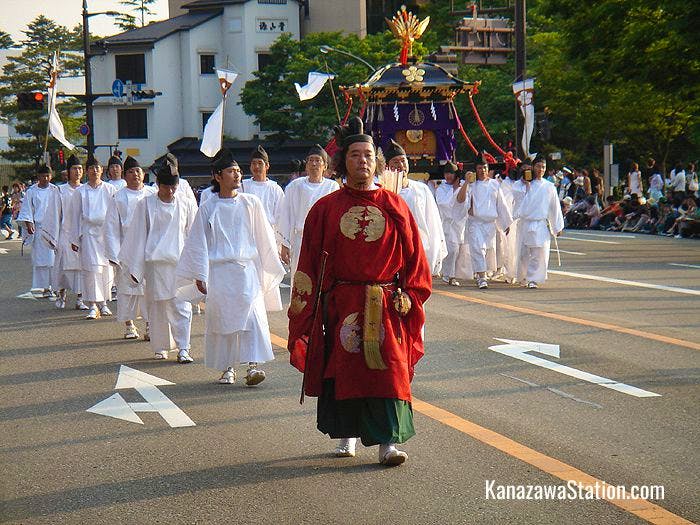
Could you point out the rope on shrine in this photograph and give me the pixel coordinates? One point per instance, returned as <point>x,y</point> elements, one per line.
<point>461,129</point>
<point>483,128</point>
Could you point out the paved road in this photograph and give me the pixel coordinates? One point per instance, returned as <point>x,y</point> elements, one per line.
<point>625,311</point>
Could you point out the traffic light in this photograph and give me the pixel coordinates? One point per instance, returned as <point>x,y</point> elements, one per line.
<point>145,93</point>
<point>30,100</point>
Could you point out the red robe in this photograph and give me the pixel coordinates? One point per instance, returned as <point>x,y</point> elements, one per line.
<point>370,237</point>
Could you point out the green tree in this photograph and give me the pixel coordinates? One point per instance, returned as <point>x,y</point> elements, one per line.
<point>30,71</point>
<point>141,10</point>
<point>271,96</point>
<point>623,70</point>
<point>5,40</point>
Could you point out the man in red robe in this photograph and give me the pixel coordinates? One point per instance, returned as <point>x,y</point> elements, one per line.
<point>358,337</point>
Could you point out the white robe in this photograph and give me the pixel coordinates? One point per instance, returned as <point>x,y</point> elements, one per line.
<point>299,196</point>
<point>88,211</point>
<point>117,183</point>
<point>513,193</point>
<point>33,209</point>
<point>232,248</point>
<point>130,301</point>
<point>66,270</point>
<point>487,211</point>
<point>271,195</point>
<point>538,213</point>
<point>184,189</point>
<point>150,252</point>
<point>422,204</point>
<point>457,263</point>
<point>205,195</point>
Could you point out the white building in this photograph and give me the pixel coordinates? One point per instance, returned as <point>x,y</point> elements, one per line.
<point>177,57</point>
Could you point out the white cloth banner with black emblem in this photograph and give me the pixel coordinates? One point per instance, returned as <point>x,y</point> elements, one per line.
<point>524,92</point>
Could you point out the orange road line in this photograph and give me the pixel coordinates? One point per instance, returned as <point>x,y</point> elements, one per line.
<point>576,320</point>
<point>639,507</point>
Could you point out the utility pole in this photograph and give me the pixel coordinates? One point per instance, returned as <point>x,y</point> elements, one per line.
<point>88,83</point>
<point>520,70</point>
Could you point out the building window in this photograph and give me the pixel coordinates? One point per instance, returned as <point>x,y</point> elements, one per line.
<point>264,60</point>
<point>131,67</point>
<point>277,2</point>
<point>206,64</point>
<point>205,117</point>
<point>132,123</point>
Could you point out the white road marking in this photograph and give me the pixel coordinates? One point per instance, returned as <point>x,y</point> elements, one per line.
<point>686,265</point>
<point>589,240</point>
<point>27,295</point>
<point>675,289</point>
<point>604,235</point>
<point>570,253</point>
<point>146,385</point>
<point>4,251</point>
<point>519,350</point>
<point>282,285</point>
<point>554,391</point>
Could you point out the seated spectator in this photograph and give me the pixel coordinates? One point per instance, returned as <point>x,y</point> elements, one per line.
<point>686,212</point>
<point>630,208</point>
<point>689,224</point>
<point>643,217</point>
<point>608,215</point>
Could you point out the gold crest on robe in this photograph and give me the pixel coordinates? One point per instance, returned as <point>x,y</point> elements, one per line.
<point>365,220</point>
<point>301,288</point>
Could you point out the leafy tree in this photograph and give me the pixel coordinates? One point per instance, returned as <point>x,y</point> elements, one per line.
<point>141,8</point>
<point>30,71</point>
<point>271,96</point>
<point>624,70</point>
<point>5,40</point>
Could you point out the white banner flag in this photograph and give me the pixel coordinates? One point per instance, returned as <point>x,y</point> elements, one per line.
<point>55,124</point>
<point>314,85</point>
<point>524,92</point>
<point>213,132</point>
<point>214,129</point>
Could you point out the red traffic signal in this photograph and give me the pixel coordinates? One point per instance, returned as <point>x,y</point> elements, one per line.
<point>30,100</point>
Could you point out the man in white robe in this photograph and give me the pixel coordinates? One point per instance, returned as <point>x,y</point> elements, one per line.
<point>487,213</point>
<point>231,255</point>
<point>422,204</point>
<point>32,213</point>
<point>130,300</point>
<point>513,189</point>
<point>539,216</point>
<point>115,168</point>
<point>267,190</point>
<point>66,270</point>
<point>456,265</point>
<point>149,255</point>
<point>299,196</point>
<point>88,211</point>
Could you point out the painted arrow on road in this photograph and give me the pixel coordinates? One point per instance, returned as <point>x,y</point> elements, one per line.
<point>520,350</point>
<point>27,295</point>
<point>147,385</point>
<point>4,251</point>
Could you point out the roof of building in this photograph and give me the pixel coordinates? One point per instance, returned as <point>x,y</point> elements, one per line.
<point>194,164</point>
<point>159,30</point>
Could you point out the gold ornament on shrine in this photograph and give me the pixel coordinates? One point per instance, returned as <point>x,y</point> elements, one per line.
<point>407,28</point>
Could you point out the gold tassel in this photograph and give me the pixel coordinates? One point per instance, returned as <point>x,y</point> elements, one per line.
<point>372,328</point>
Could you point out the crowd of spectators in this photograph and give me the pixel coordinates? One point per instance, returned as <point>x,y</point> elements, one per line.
<point>647,203</point>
